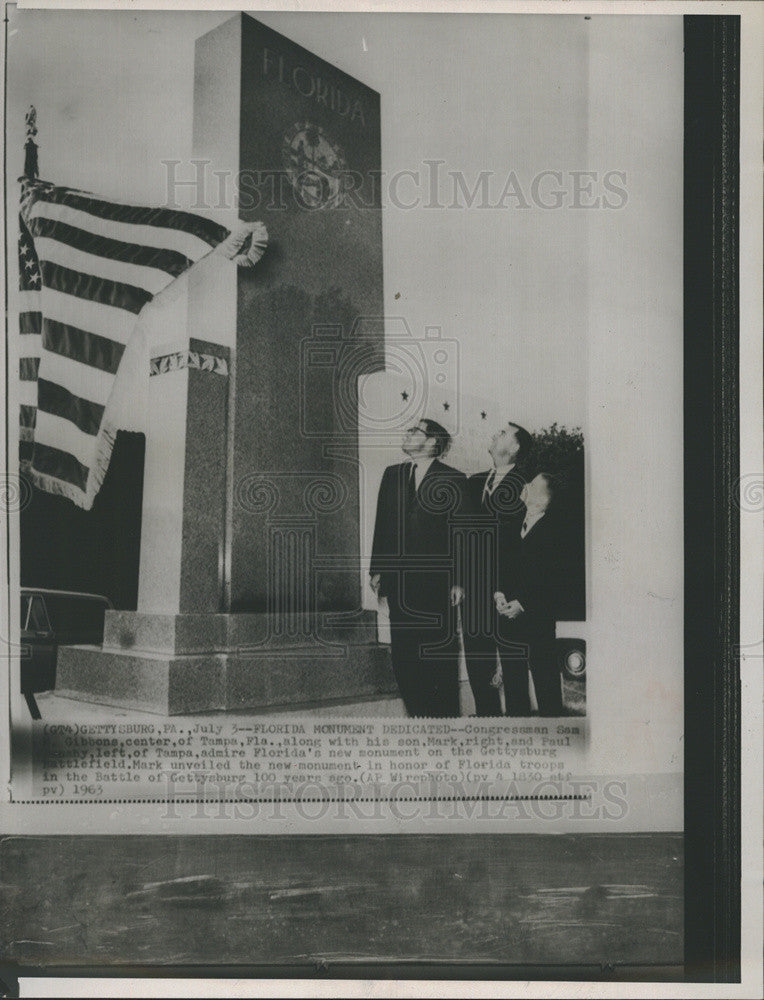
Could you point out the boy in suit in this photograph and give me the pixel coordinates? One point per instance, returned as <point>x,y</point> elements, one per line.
<point>528,597</point>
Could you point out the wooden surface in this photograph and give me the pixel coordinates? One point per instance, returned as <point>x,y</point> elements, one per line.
<point>520,899</point>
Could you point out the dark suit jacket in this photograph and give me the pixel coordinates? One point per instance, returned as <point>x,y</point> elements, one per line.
<point>500,515</point>
<point>535,581</point>
<point>413,534</point>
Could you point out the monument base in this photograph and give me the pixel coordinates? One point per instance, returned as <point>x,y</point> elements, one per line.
<point>179,664</point>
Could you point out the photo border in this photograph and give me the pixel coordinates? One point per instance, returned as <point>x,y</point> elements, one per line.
<point>711,504</point>
<point>712,561</point>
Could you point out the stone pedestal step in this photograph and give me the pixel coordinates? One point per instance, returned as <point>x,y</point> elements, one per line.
<point>168,684</point>
<point>324,633</point>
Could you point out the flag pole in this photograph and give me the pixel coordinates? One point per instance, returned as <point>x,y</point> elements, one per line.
<point>31,163</point>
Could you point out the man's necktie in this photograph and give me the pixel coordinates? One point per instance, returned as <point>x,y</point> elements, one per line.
<point>488,488</point>
<point>524,529</point>
<point>412,481</point>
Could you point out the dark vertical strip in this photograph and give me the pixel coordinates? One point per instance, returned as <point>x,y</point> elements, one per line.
<point>201,583</point>
<point>115,523</point>
<point>711,325</point>
<point>98,550</point>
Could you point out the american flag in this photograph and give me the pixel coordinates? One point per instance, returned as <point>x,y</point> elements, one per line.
<point>87,267</point>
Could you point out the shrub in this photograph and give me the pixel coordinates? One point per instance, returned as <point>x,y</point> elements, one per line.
<point>558,451</point>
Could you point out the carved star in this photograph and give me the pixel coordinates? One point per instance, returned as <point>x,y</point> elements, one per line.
<point>404,395</point>
<point>483,414</point>
<point>446,406</point>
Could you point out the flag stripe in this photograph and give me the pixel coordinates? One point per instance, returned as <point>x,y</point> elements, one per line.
<point>28,300</point>
<point>148,236</point>
<point>27,415</point>
<point>65,436</point>
<point>164,218</point>
<point>91,316</point>
<point>83,346</point>
<point>27,393</point>
<point>148,279</point>
<point>58,464</point>
<point>30,322</point>
<point>32,346</point>
<point>54,399</point>
<point>78,378</point>
<point>169,261</point>
<point>28,368</point>
<point>85,286</point>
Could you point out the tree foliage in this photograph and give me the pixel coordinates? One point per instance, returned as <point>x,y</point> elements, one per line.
<point>559,451</point>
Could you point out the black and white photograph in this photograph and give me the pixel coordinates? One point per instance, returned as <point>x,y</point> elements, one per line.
<point>248,407</point>
<point>353,410</point>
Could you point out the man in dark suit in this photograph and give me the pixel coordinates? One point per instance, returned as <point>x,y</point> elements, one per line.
<point>497,511</point>
<point>529,595</point>
<point>412,565</point>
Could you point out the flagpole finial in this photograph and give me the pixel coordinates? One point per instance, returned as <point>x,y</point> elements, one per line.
<point>31,166</point>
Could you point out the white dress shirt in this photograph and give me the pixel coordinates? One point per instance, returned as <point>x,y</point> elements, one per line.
<point>495,476</point>
<point>420,470</point>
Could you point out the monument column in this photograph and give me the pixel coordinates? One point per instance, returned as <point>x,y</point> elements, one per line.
<point>249,591</point>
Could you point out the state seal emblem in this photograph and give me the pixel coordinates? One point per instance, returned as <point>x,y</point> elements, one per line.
<point>314,164</point>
